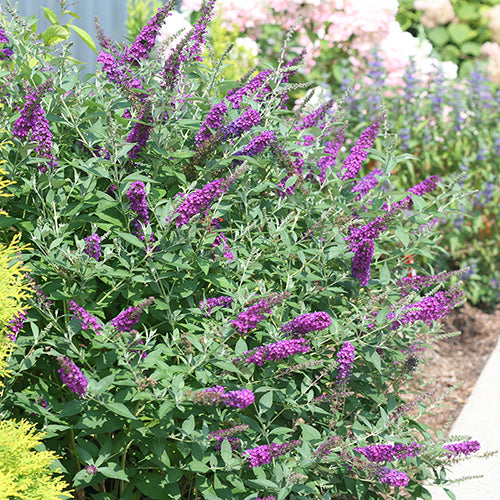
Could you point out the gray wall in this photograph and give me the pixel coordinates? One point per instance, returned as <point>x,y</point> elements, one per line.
<point>112,17</point>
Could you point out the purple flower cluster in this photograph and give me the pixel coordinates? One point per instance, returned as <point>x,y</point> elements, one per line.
<point>214,396</point>
<point>140,133</point>
<point>33,124</point>
<point>345,360</point>
<point>207,304</point>
<point>72,376</point>
<point>393,478</point>
<point>257,144</point>
<point>130,317</point>
<point>93,246</point>
<point>379,453</point>
<point>428,309</point>
<point>326,448</point>
<point>199,201</point>
<point>86,319</point>
<point>262,455</point>
<point>278,350</point>
<point>315,117</point>
<point>308,322</point>
<point>228,434</point>
<point>360,266</point>
<point>417,282</point>
<point>5,52</point>
<point>258,82</point>
<point>213,121</point>
<point>16,324</point>
<point>331,152</point>
<point>367,183</point>
<point>465,448</point>
<point>359,152</point>
<point>250,317</point>
<point>146,39</point>
<point>370,231</point>
<point>270,497</point>
<point>425,186</point>
<point>136,195</point>
<point>222,240</point>
<point>244,123</point>
<point>113,65</point>
<point>188,48</point>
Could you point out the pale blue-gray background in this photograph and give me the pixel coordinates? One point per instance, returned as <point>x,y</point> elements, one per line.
<point>112,18</point>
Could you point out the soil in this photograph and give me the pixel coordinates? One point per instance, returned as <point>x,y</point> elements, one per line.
<point>450,361</point>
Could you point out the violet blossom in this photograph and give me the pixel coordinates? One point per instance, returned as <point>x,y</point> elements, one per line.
<point>130,316</point>
<point>16,324</point>
<point>345,360</point>
<point>208,304</point>
<point>86,319</point>
<point>308,322</point>
<point>278,350</point>
<point>264,454</point>
<point>464,448</point>
<point>93,246</point>
<point>72,376</point>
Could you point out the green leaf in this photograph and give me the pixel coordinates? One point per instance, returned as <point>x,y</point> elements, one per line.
<point>226,451</point>
<point>266,401</point>
<point>134,240</point>
<point>55,34</point>
<point>50,15</point>
<point>188,425</point>
<point>309,432</point>
<point>385,274</point>
<point>85,37</point>
<point>114,471</point>
<point>438,36</point>
<point>471,48</point>
<point>120,409</point>
<point>460,33</point>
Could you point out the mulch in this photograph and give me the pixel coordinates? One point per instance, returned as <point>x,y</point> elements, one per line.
<point>450,361</point>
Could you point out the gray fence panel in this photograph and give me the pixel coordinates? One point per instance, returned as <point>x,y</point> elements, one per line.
<point>112,18</point>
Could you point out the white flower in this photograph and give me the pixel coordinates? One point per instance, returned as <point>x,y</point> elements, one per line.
<point>493,15</point>
<point>436,12</point>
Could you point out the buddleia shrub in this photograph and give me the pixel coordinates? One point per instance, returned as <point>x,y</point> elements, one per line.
<point>224,306</point>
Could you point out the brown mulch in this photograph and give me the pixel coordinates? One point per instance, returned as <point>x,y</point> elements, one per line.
<point>457,359</point>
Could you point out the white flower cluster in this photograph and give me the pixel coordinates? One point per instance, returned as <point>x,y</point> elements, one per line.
<point>436,12</point>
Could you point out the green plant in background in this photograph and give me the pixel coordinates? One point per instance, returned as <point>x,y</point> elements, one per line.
<point>456,28</point>
<point>139,13</point>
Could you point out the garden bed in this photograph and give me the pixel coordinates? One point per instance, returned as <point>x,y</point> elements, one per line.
<point>457,359</point>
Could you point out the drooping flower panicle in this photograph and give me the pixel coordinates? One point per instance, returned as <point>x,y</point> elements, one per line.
<point>93,246</point>
<point>308,322</point>
<point>208,304</point>
<point>72,376</point>
<point>86,319</point>
<point>278,350</point>
<point>345,360</point>
<point>464,448</point>
<point>127,319</point>
<point>217,395</point>
<point>264,454</point>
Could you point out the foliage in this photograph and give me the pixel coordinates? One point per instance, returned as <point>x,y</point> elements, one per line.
<point>224,309</point>
<point>139,13</point>
<point>459,41</point>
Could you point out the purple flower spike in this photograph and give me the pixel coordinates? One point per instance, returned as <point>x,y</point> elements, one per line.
<point>359,152</point>
<point>394,478</point>
<point>213,121</point>
<point>86,319</point>
<point>345,360</point>
<point>130,317</point>
<point>379,453</point>
<point>279,350</point>
<point>239,399</point>
<point>208,304</point>
<point>198,202</point>
<point>33,125</point>
<point>367,183</point>
<point>250,318</point>
<point>425,186</point>
<point>465,448</point>
<point>146,39</point>
<point>16,324</point>
<point>72,376</point>
<point>308,322</point>
<point>136,195</point>
<point>361,261</point>
<point>214,396</point>
<point>264,454</point>
<point>93,246</point>
<point>257,144</point>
